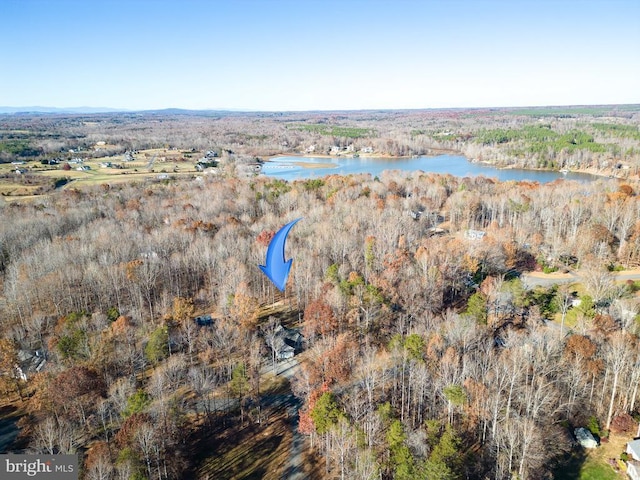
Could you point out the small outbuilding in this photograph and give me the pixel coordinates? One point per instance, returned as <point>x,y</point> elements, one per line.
<point>585,438</point>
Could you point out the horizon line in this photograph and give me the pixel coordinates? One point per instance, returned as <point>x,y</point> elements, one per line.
<point>5,109</point>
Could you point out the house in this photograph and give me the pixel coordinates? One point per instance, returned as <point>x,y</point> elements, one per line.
<point>287,342</point>
<point>633,470</point>
<point>475,234</point>
<point>204,163</point>
<point>585,438</point>
<point>433,231</point>
<point>633,449</point>
<point>204,320</point>
<point>249,168</point>
<point>29,362</point>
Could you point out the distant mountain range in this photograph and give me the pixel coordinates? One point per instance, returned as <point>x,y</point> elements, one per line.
<point>90,110</point>
<point>533,110</point>
<point>58,110</point>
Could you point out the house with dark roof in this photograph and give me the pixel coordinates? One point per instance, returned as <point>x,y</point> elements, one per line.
<point>29,363</point>
<point>204,320</point>
<point>287,342</point>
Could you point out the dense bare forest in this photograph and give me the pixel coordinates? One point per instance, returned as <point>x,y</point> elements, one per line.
<point>426,355</point>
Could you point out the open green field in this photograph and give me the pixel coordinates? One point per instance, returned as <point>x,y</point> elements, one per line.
<point>337,130</point>
<point>593,470</point>
<point>36,178</point>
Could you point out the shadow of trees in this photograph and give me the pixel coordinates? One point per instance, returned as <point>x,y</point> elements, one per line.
<point>567,465</point>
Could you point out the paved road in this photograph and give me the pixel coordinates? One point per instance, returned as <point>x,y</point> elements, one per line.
<point>546,280</point>
<point>531,280</point>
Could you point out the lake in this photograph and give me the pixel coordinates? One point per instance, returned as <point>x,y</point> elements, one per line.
<point>294,168</point>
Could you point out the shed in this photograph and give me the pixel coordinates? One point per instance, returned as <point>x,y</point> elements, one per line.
<point>585,438</point>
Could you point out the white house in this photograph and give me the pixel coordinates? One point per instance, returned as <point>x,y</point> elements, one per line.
<point>633,449</point>
<point>633,470</point>
<point>475,234</point>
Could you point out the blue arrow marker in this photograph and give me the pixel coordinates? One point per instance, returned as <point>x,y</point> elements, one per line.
<point>277,268</point>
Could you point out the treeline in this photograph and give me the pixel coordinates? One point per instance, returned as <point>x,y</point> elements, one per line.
<point>426,356</point>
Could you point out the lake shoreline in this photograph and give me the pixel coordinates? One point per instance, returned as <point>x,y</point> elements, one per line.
<point>319,165</point>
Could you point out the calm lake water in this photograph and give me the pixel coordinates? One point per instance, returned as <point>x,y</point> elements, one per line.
<point>289,168</point>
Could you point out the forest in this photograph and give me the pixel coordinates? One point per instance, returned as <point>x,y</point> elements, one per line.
<point>427,353</point>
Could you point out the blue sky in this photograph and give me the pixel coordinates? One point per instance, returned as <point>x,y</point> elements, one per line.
<point>318,54</point>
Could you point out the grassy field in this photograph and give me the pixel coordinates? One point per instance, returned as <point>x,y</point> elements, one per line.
<point>593,470</point>
<point>147,165</point>
<point>596,466</point>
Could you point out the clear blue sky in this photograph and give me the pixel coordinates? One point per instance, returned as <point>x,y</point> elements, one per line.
<point>318,54</point>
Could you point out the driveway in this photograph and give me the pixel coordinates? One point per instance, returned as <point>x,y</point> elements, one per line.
<point>535,279</point>
<point>294,469</point>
